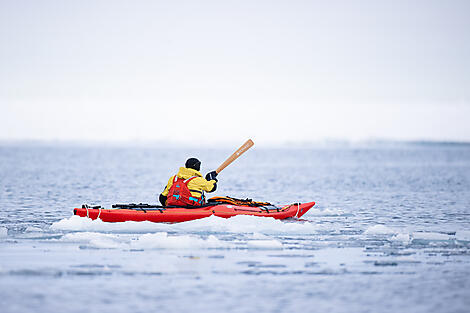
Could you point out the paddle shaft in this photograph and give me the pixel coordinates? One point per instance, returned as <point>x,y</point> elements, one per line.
<point>247,145</point>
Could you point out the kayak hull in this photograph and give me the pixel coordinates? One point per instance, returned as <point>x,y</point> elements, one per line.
<point>175,215</point>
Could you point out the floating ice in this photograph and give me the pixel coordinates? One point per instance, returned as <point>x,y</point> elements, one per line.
<point>463,235</point>
<point>247,224</point>
<point>159,240</point>
<point>236,224</point>
<point>3,232</point>
<point>325,212</point>
<point>106,243</point>
<point>77,223</point>
<point>163,241</point>
<point>33,229</point>
<point>259,236</point>
<point>379,230</point>
<point>86,237</point>
<point>403,238</point>
<point>430,236</point>
<point>265,244</point>
<point>95,240</point>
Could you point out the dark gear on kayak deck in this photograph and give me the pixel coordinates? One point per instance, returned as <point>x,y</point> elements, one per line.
<point>235,201</point>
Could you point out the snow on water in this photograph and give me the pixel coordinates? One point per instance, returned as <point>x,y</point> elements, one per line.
<point>236,224</point>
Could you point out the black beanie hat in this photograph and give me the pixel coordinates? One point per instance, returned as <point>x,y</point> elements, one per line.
<point>193,163</point>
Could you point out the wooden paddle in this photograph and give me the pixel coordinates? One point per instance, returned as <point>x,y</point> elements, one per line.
<point>247,145</point>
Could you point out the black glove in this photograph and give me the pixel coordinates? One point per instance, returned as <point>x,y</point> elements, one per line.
<point>162,199</point>
<point>212,176</point>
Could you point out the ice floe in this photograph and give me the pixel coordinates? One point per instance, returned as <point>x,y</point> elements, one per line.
<point>379,230</point>
<point>33,229</point>
<point>95,240</point>
<point>3,232</point>
<point>325,212</point>
<point>162,240</point>
<point>432,236</point>
<point>402,238</point>
<point>265,244</point>
<point>236,224</point>
<point>463,235</point>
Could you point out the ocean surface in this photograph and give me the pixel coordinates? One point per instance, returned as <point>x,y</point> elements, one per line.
<point>390,231</point>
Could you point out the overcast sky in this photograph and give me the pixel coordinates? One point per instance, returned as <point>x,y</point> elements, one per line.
<point>213,71</point>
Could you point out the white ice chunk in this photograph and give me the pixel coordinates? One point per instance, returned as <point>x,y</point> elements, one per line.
<point>106,243</point>
<point>404,238</point>
<point>431,236</point>
<point>33,229</point>
<point>86,237</point>
<point>379,230</point>
<point>247,224</point>
<point>463,235</point>
<point>264,244</point>
<point>3,232</point>
<point>325,212</point>
<point>259,236</point>
<point>77,223</point>
<point>161,240</point>
<point>236,224</point>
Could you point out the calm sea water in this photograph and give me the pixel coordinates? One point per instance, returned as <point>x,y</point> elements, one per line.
<point>390,232</point>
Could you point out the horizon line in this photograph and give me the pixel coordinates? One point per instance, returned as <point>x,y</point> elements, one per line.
<point>333,142</point>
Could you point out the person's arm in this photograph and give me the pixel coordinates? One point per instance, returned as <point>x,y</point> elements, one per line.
<point>202,184</point>
<point>212,176</point>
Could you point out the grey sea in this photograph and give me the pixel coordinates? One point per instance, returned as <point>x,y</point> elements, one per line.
<point>390,231</point>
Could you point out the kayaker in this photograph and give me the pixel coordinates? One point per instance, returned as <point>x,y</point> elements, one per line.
<point>188,186</point>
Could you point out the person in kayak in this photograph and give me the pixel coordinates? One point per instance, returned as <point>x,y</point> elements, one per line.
<point>187,187</point>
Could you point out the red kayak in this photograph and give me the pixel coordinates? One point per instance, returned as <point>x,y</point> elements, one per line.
<point>144,212</point>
